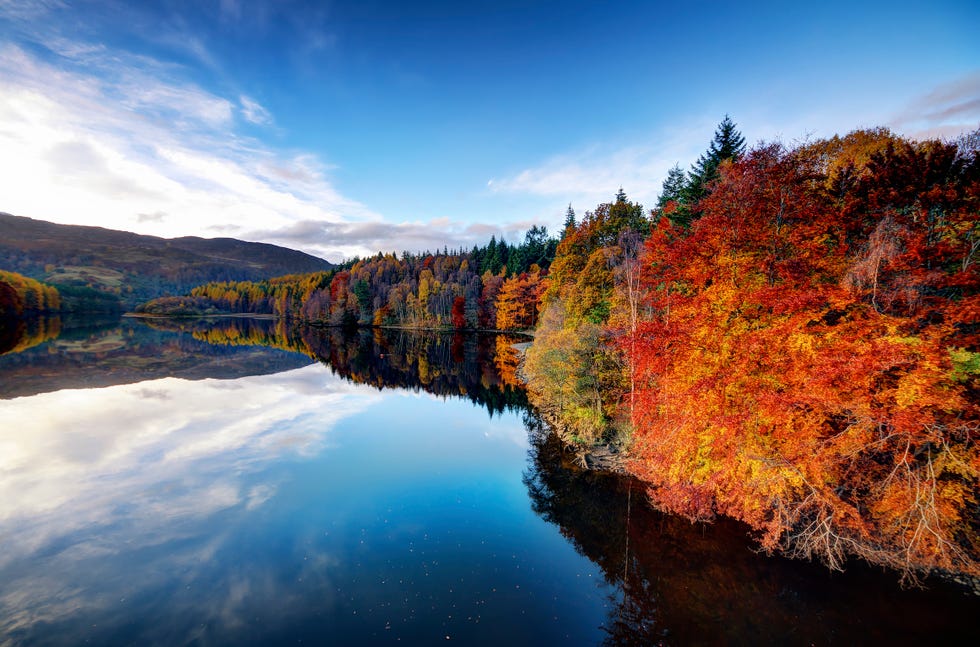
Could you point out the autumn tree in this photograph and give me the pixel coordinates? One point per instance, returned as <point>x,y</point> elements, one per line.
<point>459,312</point>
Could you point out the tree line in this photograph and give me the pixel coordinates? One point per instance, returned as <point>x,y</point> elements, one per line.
<point>495,286</point>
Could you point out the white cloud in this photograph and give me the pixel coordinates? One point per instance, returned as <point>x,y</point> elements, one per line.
<point>948,110</point>
<point>107,138</point>
<point>592,175</point>
<point>254,112</point>
<point>367,238</point>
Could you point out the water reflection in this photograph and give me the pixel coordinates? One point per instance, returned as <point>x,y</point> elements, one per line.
<point>248,481</point>
<point>480,368</point>
<point>91,353</point>
<point>17,335</point>
<point>91,476</point>
<point>679,583</point>
<point>299,505</point>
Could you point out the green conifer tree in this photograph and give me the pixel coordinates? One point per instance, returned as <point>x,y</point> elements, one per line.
<point>728,144</point>
<point>570,223</point>
<point>673,191</point>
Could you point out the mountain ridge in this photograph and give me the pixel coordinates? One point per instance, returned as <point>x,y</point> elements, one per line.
<point>138,267</point>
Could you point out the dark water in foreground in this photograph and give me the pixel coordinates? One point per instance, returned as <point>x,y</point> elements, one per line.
<point>241,482</point>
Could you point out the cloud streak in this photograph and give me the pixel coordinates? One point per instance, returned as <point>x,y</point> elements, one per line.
<point>367,238</point>
<point>592,175</point>
<point>97,137</point>
<point>254,112</point>
<point>947,111</point>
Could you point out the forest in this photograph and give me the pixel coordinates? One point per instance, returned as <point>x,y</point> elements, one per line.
<point>493,287</point>
<point>788,338</point>
<point>30,310</point>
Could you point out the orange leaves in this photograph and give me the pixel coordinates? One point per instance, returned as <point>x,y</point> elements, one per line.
<point>517,302</point>
<point>799,378</point>
<point>21,295</point>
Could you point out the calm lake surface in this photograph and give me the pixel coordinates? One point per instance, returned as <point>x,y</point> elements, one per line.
<point>244,482</point>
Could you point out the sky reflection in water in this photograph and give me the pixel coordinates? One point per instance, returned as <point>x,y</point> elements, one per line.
<point>271,508</point>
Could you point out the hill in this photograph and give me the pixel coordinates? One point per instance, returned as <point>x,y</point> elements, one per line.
<point>137,267</point>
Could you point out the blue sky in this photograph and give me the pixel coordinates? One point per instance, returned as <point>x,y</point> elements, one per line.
<point>348,128</point>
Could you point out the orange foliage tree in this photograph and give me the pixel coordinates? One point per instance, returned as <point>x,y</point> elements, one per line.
<point>810,365</point>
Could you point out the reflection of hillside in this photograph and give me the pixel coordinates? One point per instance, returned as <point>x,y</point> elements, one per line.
<point>20,333</point>
<point>476,367</point>
<point>444,364</point>
<point>472,366</point>
<point>695,584</point>
<point>123,352</point>
<point>237,331</point>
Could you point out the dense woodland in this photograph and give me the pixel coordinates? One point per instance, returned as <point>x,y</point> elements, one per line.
<point>789,338</point>
<point>495,286</point>
<point>30,310</point>
<point>24,297</point>
<point>24,308</point>
<point>794,345</point>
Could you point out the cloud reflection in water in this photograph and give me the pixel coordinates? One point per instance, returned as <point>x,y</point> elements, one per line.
<point>90,475</point>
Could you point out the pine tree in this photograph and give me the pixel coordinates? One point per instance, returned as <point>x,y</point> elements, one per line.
<point>673,186</point>
<point>728,144</point>
<point>673,192</point>
<point>570,223</point>
<point>492,259</point>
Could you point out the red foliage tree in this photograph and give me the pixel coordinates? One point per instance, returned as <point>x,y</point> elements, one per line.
<point>459,313</point>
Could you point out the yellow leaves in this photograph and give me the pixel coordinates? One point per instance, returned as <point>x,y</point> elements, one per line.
<point>914,389</point>
<point>802,344</point>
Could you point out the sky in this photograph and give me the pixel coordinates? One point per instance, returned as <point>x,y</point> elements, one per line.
<point>348,128</point>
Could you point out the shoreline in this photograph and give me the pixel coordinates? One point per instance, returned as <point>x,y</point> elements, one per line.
<point>318,324</point>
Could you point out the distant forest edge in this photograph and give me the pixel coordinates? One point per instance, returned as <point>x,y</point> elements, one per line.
<point>496,286</point>
<point>133,268</point>
<point>791,337</point>
<point>30,310</point>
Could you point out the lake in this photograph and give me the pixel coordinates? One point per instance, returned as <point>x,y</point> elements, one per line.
<point>237,481</point>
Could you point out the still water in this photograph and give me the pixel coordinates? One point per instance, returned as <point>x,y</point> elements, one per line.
<point>243,482</point>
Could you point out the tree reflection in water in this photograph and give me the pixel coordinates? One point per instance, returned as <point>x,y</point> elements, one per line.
<point>477,367</point>
<point>683,583</point>
<point>675,582</point>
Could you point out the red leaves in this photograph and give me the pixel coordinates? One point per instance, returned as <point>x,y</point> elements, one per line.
<point>798,377</point>
<point>459,313</point>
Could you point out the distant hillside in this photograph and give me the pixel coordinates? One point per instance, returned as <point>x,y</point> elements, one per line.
<point>136,267</point>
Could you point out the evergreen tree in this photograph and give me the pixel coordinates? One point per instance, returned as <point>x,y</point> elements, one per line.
<point>492,260</point>
<point>621,215</point>
<point>728,144</point>
<point>570,223</point>
<point>673,187</point>
<point>673,191</point>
